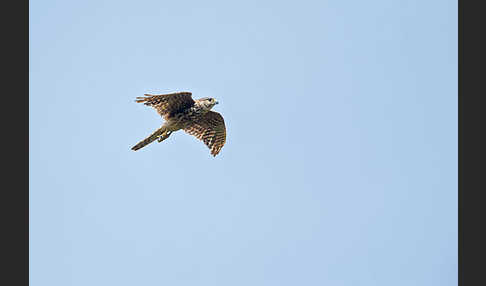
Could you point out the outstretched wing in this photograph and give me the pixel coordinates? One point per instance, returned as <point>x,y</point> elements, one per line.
<point>168,104</point>
<point>211,130</point>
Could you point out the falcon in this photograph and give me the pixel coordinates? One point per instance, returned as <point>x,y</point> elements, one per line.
<point>195,117</point>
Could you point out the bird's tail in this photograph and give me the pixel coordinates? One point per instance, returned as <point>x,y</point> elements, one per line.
<point>149,139</point>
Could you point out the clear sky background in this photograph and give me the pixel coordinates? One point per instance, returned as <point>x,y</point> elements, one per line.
<point>340,166</point>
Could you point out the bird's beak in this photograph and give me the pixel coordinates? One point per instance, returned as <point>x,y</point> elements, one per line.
<point>216,102</point>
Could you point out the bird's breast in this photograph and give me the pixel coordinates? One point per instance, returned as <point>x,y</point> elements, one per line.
<point>184,119</point>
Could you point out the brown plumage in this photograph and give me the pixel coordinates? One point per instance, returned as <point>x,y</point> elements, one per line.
<point>211,130</point>
<point>195,117</point>
<point>154,136</point>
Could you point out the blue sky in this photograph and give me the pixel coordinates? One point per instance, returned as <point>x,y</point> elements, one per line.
<point>340,166</point>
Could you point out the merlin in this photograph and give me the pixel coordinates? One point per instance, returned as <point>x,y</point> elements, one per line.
<point>195,117</point>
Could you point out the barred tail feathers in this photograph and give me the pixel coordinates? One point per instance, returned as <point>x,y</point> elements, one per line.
<point>149,139</point>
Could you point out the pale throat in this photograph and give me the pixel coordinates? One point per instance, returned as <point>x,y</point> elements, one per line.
<point>202,107</point>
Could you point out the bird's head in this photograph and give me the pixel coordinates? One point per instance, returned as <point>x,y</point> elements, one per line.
<point>208,102</point>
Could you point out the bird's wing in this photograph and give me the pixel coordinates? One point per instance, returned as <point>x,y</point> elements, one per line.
<point>168,104</point>
<point>211,130</point>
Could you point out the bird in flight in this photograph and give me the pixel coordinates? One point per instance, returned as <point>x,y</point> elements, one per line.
<point>195,117</point>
